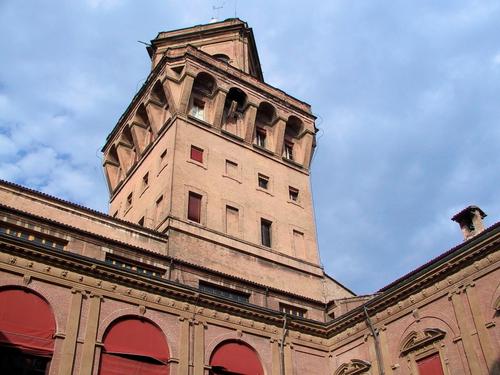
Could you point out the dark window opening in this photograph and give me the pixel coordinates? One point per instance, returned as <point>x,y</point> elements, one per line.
<point>293,310</point>
<point>263,181</point>
<point>265,232</point>
<point>293,194</point>
<point>288,151</point>
<point>224,292</point>
<point>194,207</point>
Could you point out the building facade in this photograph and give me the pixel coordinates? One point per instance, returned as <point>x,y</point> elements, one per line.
<point>208,261</point>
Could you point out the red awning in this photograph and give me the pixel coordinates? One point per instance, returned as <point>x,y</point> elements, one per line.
<point>236,357</point>
<point>26,322</point>
<point>134,346</point>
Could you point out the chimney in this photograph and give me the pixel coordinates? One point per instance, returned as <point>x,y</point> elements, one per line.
<point>470,220</point>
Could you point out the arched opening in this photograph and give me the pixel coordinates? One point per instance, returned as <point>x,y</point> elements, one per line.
<point>27,328</point>
<point>141,116</point>
<point>266,115</point>
<point>234,107</point>
<point>235,358</point>
<point>203,89</point>
<point>158,94</point>
<point>292,131</point>
<point>134,346</point>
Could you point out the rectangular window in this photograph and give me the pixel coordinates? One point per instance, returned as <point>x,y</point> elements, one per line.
<point>231,168</point>
<point>163,158</point>
<point>198,109</point>
<point>129,200</point>
<point>292,310</point>
<point>158,209</point>
<point>293,194</point>
<point>196,154</point>
<point>260,137</point>
<point>232,221</point>
<point>223,292</point>
<point>288,152</point>
<point>194,207</point>
<point>430,365</point>
<point>265,232</point>
<point>299,244</point>
<point>145,181</point>
<point>263,181</point>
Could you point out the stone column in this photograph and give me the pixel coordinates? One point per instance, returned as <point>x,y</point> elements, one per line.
<point>307,146</point>
<point>72,325</point>
<point>465,332</point>
<point>250,116</point>
<point>187,87</point>
<point>482,332</point>
<point>219,102</point>
<point>279,136</point>
<point>89,344</point>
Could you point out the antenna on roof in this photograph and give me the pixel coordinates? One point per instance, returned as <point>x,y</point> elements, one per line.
<point>235,8</point>
<point>215,18</point>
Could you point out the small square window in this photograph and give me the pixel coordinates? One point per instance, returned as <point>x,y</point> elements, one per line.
<point>231,168</point>
<point>194,207</point>
<point>263,181</point>
<point>265,232</point>
<point>260,137</point>
<point>198,109</point>
<point>196,154</point>
<point>293,194</point>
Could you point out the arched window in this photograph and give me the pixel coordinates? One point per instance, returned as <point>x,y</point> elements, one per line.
<point>235,357</point>
<point>134,346</point>
<point>266,115</point>
<point>292,131</point>
<point>27,328</point>
<point>233,111</point>
<point>203,89</point>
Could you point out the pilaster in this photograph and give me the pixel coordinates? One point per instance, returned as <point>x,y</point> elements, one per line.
<point>184,346</point>
<point>276,356</point>
<point>199,348</point>
<point>88,350</point>
<point>279,135</point>
<point>250,116</point>
<point>72,325</point>
<point>465,332</point>
<point>482,332</point>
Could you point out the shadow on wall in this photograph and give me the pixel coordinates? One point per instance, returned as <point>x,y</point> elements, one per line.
<point>495,370</point>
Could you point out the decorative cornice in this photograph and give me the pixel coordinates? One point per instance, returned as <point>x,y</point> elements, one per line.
<point>354,366</point>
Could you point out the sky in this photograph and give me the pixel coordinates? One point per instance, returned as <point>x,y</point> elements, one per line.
<point>407,95</point>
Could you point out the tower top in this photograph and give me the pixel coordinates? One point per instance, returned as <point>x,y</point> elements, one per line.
<point>231,41</point>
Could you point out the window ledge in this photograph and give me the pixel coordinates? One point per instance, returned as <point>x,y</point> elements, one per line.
<point>200,121</point>
<point>264,191</point>
<point>197,163</point>
<point>266,150</point>
<point>232,178</point>
<point>232,135</point>
<point>292,162</point>
<point>162,167</point>
<point>144,190</point>
<point>295,203</point>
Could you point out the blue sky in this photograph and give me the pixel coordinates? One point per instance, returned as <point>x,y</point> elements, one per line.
<point>406,94</point>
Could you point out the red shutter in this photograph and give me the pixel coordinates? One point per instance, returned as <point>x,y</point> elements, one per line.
<point>26,322</point>
<point>430,365</point>
<point>197,154</point>
<point>134,346</point>
<point>235,357</point>
<point>194,207</point>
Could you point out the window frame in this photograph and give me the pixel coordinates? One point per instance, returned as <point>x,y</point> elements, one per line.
<point>266,237</point>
